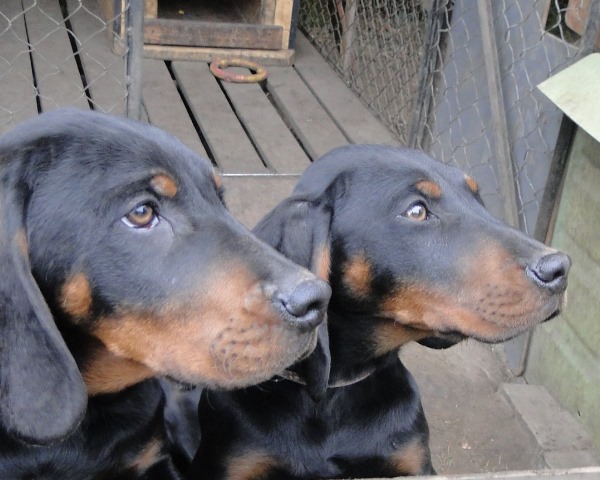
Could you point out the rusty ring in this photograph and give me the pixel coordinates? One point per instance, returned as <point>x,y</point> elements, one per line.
<point>217,68</point>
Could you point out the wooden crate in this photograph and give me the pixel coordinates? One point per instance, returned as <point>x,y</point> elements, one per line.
<point>258,30</point>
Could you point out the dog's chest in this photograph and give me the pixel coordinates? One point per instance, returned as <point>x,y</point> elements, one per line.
<point>109,439</point>
<point>352,430</point>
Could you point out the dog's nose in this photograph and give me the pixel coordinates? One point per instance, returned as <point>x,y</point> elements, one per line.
<point>550,272</point>
<point>305,304</point>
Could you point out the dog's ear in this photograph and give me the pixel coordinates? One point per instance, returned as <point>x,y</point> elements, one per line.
<point>42,394</point>
<point>300,230</point>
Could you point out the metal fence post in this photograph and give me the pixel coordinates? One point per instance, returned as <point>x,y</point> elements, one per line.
<point>135,54</point>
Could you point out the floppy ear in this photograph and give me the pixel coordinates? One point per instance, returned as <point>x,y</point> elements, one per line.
<point>42,394</point>
<point>300,230</point>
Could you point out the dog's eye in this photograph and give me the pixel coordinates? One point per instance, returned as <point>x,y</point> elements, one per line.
<point>417,211</point>
<point>142,216</point>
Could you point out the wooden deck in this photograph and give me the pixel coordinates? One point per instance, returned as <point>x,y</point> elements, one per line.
<point>261,137</point>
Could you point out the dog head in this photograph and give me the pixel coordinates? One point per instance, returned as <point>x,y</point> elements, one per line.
<point>116,233</point>
<point>412,254</point>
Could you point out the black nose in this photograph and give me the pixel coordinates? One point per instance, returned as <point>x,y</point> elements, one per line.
<point>305,305</point>
<point>551,272</point>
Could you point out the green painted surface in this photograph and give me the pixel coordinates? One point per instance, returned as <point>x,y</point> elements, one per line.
<point>575,91</point>
<point>565,353</point>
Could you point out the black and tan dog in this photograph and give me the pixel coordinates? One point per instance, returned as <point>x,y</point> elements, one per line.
<point>120,263</point>
<point>411,255</point>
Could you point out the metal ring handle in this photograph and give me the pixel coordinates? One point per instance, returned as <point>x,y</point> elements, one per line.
<point>217,68</point>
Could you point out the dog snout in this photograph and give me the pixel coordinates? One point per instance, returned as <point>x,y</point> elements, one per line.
<point>551,271</point>
<point>304,305</point>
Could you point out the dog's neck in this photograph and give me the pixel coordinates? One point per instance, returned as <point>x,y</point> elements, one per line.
<point>351,342</point>
<point>102,371</point>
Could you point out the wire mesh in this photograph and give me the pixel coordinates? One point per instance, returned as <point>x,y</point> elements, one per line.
<point>61,53</point>
<point>376,46</point>
<point>420,65</point>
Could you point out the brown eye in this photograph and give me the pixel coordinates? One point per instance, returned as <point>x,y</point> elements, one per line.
<point>142,216</point>
<point>416,211</point>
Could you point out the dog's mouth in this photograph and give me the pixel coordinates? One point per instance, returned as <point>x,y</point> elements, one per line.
<point>490,313</point>
<point>246,356</point>
<point>311,346</point>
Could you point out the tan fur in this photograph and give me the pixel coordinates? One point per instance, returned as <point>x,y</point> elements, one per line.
<point>429,188</point>
<point>391,336</point>
<point>164,185</point>
<point>21,240</point>
<point>227,336</point>
<point>217,179</point>
<point>106,372</point>
<point>249,466</point>
<point>149,456</point>
<point>357,276</point>
<point>472,184</point>
<point>408,460</point>
<point>323,263</point>
<point>76,296</point>
<point>491,299</point>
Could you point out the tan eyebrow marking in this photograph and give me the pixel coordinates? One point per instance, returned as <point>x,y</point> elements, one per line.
<point>429,188</point>
<point>164,185</point>
<point>472,183</point>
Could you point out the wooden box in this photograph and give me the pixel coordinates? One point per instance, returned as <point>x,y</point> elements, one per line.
<point>258,30</point>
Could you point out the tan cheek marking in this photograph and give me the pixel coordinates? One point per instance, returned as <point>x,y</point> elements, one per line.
<point>21,240</point>
<point>472,184</point>
<point>249,466</point>
<point>430,311</point>
<point>323,263</point>
<point>106,372</point>
<point>390,336</point>
<point>164,185</point>
<point>223,337</point>
<point>76,296</point>
<point>151,455</point>
<point>491,299</point>
<point>357,276</point>
<point>410,459</point>
<point>429,188</point>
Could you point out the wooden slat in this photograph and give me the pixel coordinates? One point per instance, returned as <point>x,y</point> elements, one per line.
<point>151,9</point>
<point>163,31</point>
<point>58,79</point>
<point>164,106</point>
<point>583,473</point>
<point>204,54</point>
<point>226,138</point>
<point>17,94</point>
<point>275,143</point>
<point>104,71</point>
<point>353,118</point>
<point>283,17</point>
<point>251,198</point>
<point>303,112</point>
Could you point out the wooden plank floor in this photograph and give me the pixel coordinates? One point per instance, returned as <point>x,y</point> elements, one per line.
<point>260,136</point>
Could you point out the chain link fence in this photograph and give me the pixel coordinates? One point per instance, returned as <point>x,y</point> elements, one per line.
<point>62,52</point>
<point>425,67</point>
<point>376,45</point>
